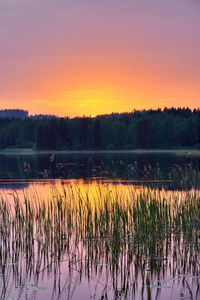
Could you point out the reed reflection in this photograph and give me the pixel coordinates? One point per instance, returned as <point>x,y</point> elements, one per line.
<point>100,241</point>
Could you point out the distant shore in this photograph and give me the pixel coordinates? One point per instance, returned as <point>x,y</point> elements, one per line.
<point>22,151</point>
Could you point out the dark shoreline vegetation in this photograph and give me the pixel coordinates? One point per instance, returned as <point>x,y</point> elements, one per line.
<point>168,169</point>
<point>153,129</point>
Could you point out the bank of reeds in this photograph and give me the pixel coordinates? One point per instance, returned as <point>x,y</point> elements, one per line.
<point>96,227</point>
<point>116,213</point>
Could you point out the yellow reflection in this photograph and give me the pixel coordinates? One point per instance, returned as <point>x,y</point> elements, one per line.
<point>94,208</point>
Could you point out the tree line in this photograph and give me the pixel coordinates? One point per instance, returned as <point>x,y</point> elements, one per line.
<point>153,129</point>
<point>16,113</point>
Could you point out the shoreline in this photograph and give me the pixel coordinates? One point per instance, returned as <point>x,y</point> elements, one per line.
<point>23,151</point>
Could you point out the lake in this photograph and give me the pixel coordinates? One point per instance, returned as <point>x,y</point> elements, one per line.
<point>110,226</point>
<point>123,165</point>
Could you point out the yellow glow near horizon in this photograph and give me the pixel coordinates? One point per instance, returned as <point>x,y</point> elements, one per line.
<point>103,90</point>
<point>98,58</point>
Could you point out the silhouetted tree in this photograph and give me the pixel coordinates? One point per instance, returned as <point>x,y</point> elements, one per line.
<point>97,141</point>
<point>40,138</point>
<point>145,134</point>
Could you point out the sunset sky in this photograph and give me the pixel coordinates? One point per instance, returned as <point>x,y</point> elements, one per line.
<point>88,57</point>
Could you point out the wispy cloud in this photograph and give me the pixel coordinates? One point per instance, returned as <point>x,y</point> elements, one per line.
<point>41,101</point>
<point>77,102</point>
<point>65,57</point>
<point>87,92</point>
<point>80,105</point>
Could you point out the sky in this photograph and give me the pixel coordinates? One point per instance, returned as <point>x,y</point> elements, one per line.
<point>88,57</point>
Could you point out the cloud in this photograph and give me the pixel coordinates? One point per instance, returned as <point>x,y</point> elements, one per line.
<point>65,57</point>
<point>87,92</point>
<point>80,105</point>
<point>41,101</point>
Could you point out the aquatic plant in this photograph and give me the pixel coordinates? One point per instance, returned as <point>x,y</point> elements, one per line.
<point>96,227</point>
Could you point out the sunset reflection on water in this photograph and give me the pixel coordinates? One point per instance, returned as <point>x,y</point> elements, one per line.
<point>100,240</point>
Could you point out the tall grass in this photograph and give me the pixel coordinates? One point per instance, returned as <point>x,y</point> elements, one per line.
<point>117,225</point>
<point>114,212</point>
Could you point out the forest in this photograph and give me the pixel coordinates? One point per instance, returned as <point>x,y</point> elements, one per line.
<point>170,128</point>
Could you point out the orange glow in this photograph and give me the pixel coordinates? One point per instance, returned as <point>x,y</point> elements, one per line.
<point>99,57</point>
<point>102,89</point>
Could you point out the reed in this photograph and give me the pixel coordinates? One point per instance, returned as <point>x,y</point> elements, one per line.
<point>115,212</point>
<point>117,224</point>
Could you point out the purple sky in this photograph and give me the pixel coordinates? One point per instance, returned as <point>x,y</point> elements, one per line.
<point>87,57</point>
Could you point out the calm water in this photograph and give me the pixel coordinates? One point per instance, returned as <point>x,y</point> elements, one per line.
<point>74,264</point>
<point>123,165</point>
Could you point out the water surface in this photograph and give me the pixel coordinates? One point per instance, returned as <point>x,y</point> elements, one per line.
<point>130,165</point>
<point>45,254</point>
<point>62,233</point>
